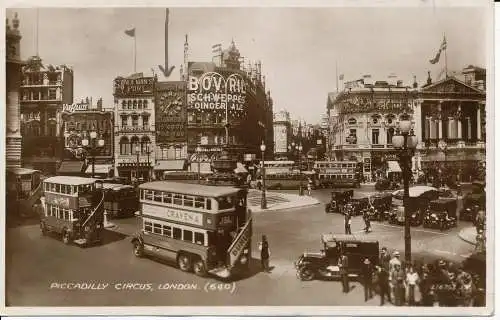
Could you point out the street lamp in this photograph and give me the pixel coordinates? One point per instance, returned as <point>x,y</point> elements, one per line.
<point>443,147</point>
<point>198,151</point>
<point>406,143</point>
<point>148,152</point>
<point>137,152</point>
<point>263,203</point>
<point>92,145</point>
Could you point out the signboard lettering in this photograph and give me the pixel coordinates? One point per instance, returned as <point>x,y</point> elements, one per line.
<point>240,243</point>
<point>57,200</point>
<point>176,215</point>
<point>70,108</point>
<point>124,87</point>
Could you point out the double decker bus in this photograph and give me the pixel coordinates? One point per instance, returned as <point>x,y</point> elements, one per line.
<point>332,174</point>
<point>73,208</point>
<point>24,189</point>
<point>120,200</point>
<point>204,229</point>
<point>275,166</point>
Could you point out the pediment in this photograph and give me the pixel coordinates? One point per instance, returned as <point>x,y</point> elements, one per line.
<point>451,85</point>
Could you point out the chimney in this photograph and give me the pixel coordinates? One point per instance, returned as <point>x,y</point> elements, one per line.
<point>429,79</point>
<point>415,84</point>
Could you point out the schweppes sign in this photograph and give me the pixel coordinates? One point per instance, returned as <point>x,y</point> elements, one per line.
<point>240,243</point>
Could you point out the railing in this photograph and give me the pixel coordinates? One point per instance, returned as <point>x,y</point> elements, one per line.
<point>93,214</point>
<point>133,128</point>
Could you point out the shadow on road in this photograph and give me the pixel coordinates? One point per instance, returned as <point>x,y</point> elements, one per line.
<point>254,267</point>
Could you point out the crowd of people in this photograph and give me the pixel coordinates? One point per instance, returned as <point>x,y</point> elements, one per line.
<point>433,284</point>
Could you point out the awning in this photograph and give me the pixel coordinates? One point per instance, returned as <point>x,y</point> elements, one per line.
<point>71,167</point>
<point>170,165</point>
<point>100,168</point>
<point>393,166</point>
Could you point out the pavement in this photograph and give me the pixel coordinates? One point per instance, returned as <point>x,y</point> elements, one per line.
<point>278,201</point>
<point>468,235</point>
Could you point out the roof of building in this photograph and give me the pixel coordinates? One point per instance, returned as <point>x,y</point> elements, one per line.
<point>189,188</point>
<point>69,180</point>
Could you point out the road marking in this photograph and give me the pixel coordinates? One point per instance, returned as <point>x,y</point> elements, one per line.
<point>445,252</point>
<point>416,230</point>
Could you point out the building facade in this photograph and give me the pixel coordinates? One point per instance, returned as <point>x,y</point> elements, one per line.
<point>135,137</point>
<point>79,120</point>
<point>228,108</point>
<point>282,133</point>
<point>363,120</point>
<point>44,90</point>
<point>13,64</point>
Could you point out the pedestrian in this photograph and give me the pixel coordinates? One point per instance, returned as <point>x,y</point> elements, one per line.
<point>384,259</point>
<point>264,253</point>
<point>412,279</point>
<point>309,186</point>
<point>425,285</point>
<point>347,222</point>
<point>367,277</point>
<point>366,218</point>
<point>383,284</point>
<point>480,219</point>
<point>480,242</point>
<point>344,274</point>
<point>396,259</point>
<point>398,277</point>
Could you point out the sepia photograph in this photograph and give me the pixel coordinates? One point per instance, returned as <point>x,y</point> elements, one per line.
<point>242,159</point>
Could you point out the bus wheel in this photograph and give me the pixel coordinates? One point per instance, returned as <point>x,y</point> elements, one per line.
<point>66,237</point>
<point>43,228</point>
<point>138,249</point>
<point>184,262</point>
<point>199,268</point>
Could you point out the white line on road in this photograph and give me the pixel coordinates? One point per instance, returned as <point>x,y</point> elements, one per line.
<point>416,230</point>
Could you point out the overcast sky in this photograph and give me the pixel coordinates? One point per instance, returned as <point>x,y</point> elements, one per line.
<point>298,47</point>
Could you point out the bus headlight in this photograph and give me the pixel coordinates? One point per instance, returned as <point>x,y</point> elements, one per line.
<point>243,260</point>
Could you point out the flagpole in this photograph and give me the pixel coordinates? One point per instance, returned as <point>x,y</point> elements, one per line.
<point>135,54</point>
<point>337,76</point>
<point>445,59</point>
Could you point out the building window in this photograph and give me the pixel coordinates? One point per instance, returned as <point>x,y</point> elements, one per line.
<point>135,121</point>
<point>140,104</point>
<point>130,104</point>
<point>52,129</point>
<point>124,146</point>
<point>390,134</point>
<point>134,142</point>
<point>145,104</point>
<point>124,104</point>
<point>145,121</point>
<point>375,134</point>
<point>52,93</point>
<point>124,121</point>
<point>144,144</point>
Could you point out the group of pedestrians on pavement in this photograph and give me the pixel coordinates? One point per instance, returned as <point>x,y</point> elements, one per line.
<point>433,284</point>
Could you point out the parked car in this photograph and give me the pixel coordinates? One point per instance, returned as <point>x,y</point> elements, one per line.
<point>382,204</point>
<point>324,264</point>
<point>442,214</point>
<point>419,198</point>
<point>338,201</point>
<point>470,201</point>
<point>356,205</point>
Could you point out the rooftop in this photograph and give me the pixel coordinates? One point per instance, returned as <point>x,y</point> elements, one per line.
<point>69,180</point>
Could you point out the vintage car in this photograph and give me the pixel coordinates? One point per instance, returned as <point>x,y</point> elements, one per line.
<point>324,264</point>
<point>357,205</point>
<point>338,200</point>
<point>381,205</point>
<point>419,199</point>
<point>442,214</point>
<point>385,184</point>
<point>470,201</point>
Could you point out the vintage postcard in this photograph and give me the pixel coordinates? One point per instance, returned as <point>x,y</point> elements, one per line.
<point>311,158</point>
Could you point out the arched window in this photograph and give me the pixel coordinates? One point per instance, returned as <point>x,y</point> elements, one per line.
<point>135,105</point>
<point>144,144</point>
<point>145,104</point>
<point>130,104</point>
<point>390,134</point>
<point>140,104</point>
<point>134,142</point>
<point>124,146</point>
<point>124,104</point>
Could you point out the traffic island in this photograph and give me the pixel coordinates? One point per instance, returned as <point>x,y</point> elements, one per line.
<point>468,235</point>
<point>279,201</point>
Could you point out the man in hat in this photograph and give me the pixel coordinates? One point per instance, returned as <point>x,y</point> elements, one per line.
<point>367,277</point>
<point>347,222</point>
<point>383,284</point>
<point>384,259</point>
<point>398,278</point>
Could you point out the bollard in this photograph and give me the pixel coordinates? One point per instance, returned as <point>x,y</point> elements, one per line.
<point>107,224</point>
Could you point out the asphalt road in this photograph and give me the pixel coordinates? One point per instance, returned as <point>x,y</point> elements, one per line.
<point>38,267</point>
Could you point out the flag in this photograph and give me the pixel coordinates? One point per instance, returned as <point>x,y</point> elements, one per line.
<point>130,32</point>
<point>341,77</point>
<point>438,54</point>
<point>217,48</point>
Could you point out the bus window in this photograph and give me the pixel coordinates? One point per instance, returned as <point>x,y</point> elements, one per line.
<point>148,226</point>
<point>199,238</point>
<point>148,195</point>
<point>188,201</point>
<point>199,202</point>
<point>158,196</point>
<point>209,204</point>
<point>157,228</point>
<point>167,231</point>
<point>178,199</point>
<point>177,233</point>
<point>167,197</point>
<point>187,235</point>
<point>225,202</point>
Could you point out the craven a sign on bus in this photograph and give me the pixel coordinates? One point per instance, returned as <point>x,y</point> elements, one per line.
<point>182,216</point>
<point>133,86</point>
<point>215,92</point>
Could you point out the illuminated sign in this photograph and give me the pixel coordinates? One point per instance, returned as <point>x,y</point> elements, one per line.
<point>139,86</point>
<point>75,107</point>
<point>173,214</point>
<point>213,91</point>
<point>170,112</point>
<point>240,243</point>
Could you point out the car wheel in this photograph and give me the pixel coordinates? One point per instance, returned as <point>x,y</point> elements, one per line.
<point>43,228</point>
<point>184,262</point>
<point>199,268</point>
<point>138,249</point>
<point>306,274</point>
<point>66,237</point>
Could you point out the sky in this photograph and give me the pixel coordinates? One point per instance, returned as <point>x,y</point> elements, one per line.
<point>301,49</point>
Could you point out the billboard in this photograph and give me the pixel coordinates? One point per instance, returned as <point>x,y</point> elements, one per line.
<point>124,87</point>
<point>170,112</point>
<point>280,139</point>
<point>214,92</point>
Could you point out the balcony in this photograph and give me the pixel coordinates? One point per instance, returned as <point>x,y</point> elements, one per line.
<point>26,84</point>
<point>134,129</point>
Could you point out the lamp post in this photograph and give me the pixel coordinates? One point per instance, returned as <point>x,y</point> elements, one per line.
<point>92,145</point>
<point>148,152</point>
<point>137,152</point>
<point>406,143</point>
<point>263,203</point>
<point>198,151</point>
<point>443,147</point>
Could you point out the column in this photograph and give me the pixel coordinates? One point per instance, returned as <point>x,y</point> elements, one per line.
<point>469,129</point>
<point>440,129</point>
<point>478,122</point>
<point>450,130</point>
